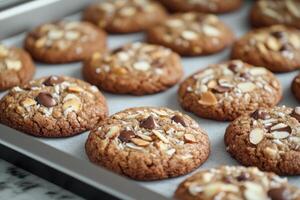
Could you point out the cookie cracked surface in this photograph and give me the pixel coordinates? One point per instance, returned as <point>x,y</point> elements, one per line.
<point>125,16</point>
<point>236,183</point>
<point>137,69</point>
<point>276,48</point>
<point>65,41</point>
<point>271,12</point>
<point>204,6</point>
<point>148,143</point>
<point>227,90</point>
<point>192,34</point>
<point>55,106</point>
<point>268,139</point>
<point>16,67</point>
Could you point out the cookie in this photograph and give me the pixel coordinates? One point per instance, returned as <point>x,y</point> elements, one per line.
<point>204,6</point>
<point>227,90</point>
<point>126,16</point>
<point>268,139</point>
<point>55,106</point>
<point>192,34</point>
<point>16,67</point>
<point>236,183</point>
<point>137,69</point>
<point>296,87</point>
<point>271,12</point>
<point>276,48</point>
<point>64,42</point>
<point>148,143</point>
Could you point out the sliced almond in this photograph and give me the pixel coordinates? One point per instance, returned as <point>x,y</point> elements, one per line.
<point>208,99</point>
<point>212,84</point>
<point>55,34</point>
<point>256,136</point>
<point>140,142</point>
<point>293,8</point>
<point>72,35</point>
<point>160,136</point>
<point>141,65</point>
<point>254,191</point>
<point>257,71</point>
<point>162,146</point>
<point>170,152</point>
<point>262,48</point>
<point>72,105</point>
<point>174,23</point>
<point>273,44</point>
<point>212,189</point>
<point>13,64</point>
<point>28,102</point>
<point>145,137</point>
<point>190,138</point>
<point>246,86</point>
<point>210,30</point>
<point>189,35</point>
<point>128,11</point>
<point>3,51</point>
<point>280,134</point>
<point>113,131</point>
<point>75,89</point>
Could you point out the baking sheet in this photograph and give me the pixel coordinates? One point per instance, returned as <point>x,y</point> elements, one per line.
<point>75,145</point>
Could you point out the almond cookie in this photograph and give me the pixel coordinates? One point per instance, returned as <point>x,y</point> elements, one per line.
<point>55,106</point>
<point>137,69</point>
<point>16,67</point>
<point>64,42</point>
<point>271,12</point>
<point>276,48</point>
<point>227,90</point>
<point>192,34</point>
<point>125,16</point>
<point>236,183</point>
<point>296,87</point>
<point>148,143</point>
<point>268,139</point>
<point>204,6</point>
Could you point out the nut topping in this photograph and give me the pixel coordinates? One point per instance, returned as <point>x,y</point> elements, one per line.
<point>259,114</point>
<point>178,119</point>
<point>45,99</point>
<point>126,136</point>
<point>279,194</point>
<point>256,136</point>
<point>208,99</point>
<point>140,142</point>
<point>296,113</point>
<point>281,127</point>
<point>160,136</point>
<point>148,123</point>
<point>189,138</point>
<point>53,80</point>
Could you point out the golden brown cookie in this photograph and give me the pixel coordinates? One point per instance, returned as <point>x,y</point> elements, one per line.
<point>227,90</point>
<point>296,87</point>
<point>148,143</point>
<point>276,48</point>
<point>268,139</point>
<point>236,183</point>
<point>192,34</point>
<point>204,6</point>
<point>64,42</point>
<point>136,68</point>
<point>125,16</point>
<point>271,12</point>
<point>16,67</point>
<point>55,106</point>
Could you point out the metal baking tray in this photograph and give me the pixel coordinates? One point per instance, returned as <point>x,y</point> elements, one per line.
<point>66,157</point>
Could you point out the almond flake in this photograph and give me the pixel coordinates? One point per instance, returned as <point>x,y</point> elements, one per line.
<point>13,64</point>
<point>140,142</point>
<point>256,136</point>
<point>112,132</point>
<point>175,23</point>
<point>145,137</point>
<point>194,189</point>
<point>28,102</point>
<point>170,152</point>
<point>160,136</point>
<point>72,35</point>
<point>293,8</point>
<point>210,30</point>
<point>72,105</point>
<point>133,146</point>
<point>190,138</point>
<point>254,191</point>
<point>141,65</point>
<point>273,44</point>
<point>189,35</point>
<point>246,87</point>
<point>208,99</point>
<point>55,34</point>
<point>128,11</point>
<point>280,134</point>
<point>75,89</point>
<point>257,71</point>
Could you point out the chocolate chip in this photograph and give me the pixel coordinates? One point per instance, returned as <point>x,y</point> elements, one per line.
<point>233,67</point>
<point>279,194</point>
<point>259,114</point>
<point>178,119</point>
<point>117,50</point>
<point>296,113</point>
<point>45,99</point>
<point>286,47</point>
<point>278,34</point>
<point>126,136</point>
<point>148,123</point>
<point>221,89</point>
<point>243,177</point>
<point>52,80</point>
<point>245,75</point>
